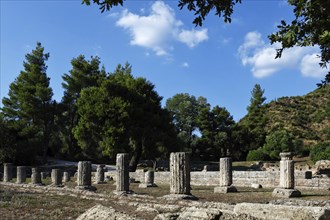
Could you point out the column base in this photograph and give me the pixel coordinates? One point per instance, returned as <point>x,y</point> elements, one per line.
<point>144,185</point>
<point>53,185</point>
<point>104,182</point>
<point>179,197</point>
<point>88,188</point>
<point>123,193</point>
<point>225,189</point>
<point>286,193</point>
<point>37,184</point>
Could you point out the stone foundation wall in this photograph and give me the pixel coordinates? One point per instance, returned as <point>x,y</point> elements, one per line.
<point>267,179</point>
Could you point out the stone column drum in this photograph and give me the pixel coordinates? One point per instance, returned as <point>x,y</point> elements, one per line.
<point>226,176</point>
<point>122,178</point>
<point>66,177</point>
<point>84,176</point>
<point>286,171</point>
<point>21,174</point>
<point>180,173</point>
<point>149,178</point>
<point>287,182</point>
<point>99,176</point>
<point>7,172</point>
<point>36,176</point>
<point>57,177</point>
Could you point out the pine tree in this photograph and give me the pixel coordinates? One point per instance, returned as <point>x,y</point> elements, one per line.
<point>29,105</point>
<point>255,120</point>
<point>84,74</point>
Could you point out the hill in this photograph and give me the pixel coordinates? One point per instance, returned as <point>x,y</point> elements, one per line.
<point>307,117</point>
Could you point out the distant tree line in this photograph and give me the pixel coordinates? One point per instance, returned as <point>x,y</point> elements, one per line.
<point>104,113</point>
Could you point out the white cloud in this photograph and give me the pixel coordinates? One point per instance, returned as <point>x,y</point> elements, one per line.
<point>185,64</point>
<point>113,15</point>
<point>254,52</point>
<point>193,37</point>
<point>310,67</point>
<point>157,30</point>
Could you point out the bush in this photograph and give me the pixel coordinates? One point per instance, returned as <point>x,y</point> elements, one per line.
<point>281,141</point>
<point>257,155</point>
<point>320,151</point>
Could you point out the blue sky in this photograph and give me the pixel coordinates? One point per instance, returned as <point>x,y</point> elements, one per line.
<point>219,61</point>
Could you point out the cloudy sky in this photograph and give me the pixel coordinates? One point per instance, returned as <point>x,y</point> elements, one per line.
<point>219,61</point>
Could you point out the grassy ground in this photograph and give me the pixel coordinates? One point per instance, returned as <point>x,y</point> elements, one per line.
<point>17,205</point>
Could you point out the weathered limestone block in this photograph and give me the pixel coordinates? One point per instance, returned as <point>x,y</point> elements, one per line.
<point>200,213</point>
<point>286,189</point>
<point>57,177</point>
<point>21,174</point>
<point>84,176</point>
<point>149,178</point>
<point>286,193</point>
<point>226,176</point>
<point>268,211</point>
<point>7,172</point>
<point>102,212</point>
<point>122,178</point>
<point>66,177</point>
<point>36,176</point>
<point>99,176</point>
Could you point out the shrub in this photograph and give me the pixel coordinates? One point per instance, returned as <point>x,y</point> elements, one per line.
<point>281,141</point>
<point>257,155</point>
<point>320,151</point>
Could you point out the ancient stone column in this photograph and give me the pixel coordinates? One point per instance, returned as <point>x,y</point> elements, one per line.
<point>286,171</point>
<point>286,189</point>
<point>122,179</point>
<point>7,172</point>
<point>57,177</point>
<point>36,176</point>
<point>21,174</point>
<point>226,176</point>
<point>99,176</point>
<point>180,173</point>
<point>43,175</point>
<point>149,177</point>
<point>66,177</point>
<point>84,176</point>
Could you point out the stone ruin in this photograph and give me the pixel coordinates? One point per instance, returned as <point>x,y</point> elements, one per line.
<point>226,176</point>
<point>149,178</point>
<point>122,174</point>
<point>84,177</point>
<point>287,182</point>
<point>180,180</point>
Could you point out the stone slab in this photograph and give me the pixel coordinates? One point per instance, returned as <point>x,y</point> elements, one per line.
<point>280,212</point>
<point>286,193</point>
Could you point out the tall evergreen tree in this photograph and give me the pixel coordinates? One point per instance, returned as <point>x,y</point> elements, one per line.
<point>216,128</point>
<point>84,74</point>
<point>255,120</point>
<point>29,105</point>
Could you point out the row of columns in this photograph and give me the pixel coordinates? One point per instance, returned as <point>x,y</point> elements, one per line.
<point>179,175</point>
